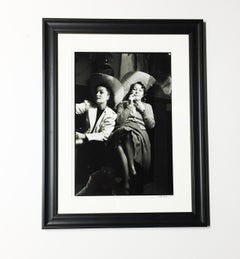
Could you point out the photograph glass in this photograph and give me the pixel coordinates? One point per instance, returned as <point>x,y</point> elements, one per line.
<point>131,152</point>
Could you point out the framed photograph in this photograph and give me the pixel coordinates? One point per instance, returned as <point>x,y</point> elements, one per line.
<point>125,123</point>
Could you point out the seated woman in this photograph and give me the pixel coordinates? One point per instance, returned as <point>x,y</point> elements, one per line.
<point>130,138</point>
<point>100,120</point>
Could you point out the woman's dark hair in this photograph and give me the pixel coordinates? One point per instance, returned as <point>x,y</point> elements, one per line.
<point>130,90</point>
<point>110,102</point>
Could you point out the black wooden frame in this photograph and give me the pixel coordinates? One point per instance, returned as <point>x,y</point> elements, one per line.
<point>198,114</point>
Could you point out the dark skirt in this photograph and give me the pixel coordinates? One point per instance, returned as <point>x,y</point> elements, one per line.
<point>140,140</point>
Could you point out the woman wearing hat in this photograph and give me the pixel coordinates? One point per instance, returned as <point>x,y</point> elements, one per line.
<point>100,117</point>
<point>134,117</point>
<point>100,120</point>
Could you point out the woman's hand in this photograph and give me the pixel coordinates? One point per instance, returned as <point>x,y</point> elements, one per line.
<point>139,106</point>
<point>80,137</point>
<point>131,98</point>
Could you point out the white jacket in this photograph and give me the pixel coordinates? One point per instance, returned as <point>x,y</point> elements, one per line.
<point>104,125</point>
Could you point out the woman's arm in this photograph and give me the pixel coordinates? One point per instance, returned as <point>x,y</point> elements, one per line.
<point>123,111</point>
<point>148,116</point>
<point>82,107</point>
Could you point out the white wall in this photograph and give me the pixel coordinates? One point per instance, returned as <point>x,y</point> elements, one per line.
<point>21,128</point>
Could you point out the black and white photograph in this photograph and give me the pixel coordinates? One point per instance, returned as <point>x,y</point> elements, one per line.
<point>123,129</point>
<point>125,123</point>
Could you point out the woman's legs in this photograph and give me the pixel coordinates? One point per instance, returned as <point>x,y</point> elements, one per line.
<point>129,152</point>
<point>125,151</point>
<point>124,164</point>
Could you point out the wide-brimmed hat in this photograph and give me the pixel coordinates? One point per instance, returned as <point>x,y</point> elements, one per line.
<point>137,76</point>
<point>112,83</point>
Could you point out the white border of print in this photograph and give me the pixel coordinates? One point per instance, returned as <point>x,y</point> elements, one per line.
<point>178,46</point>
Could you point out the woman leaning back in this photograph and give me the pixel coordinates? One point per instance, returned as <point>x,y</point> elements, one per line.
<point>130,138</point>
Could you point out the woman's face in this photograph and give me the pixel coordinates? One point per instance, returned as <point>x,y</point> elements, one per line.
<point>137,92</point>
<point>102,95</point>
